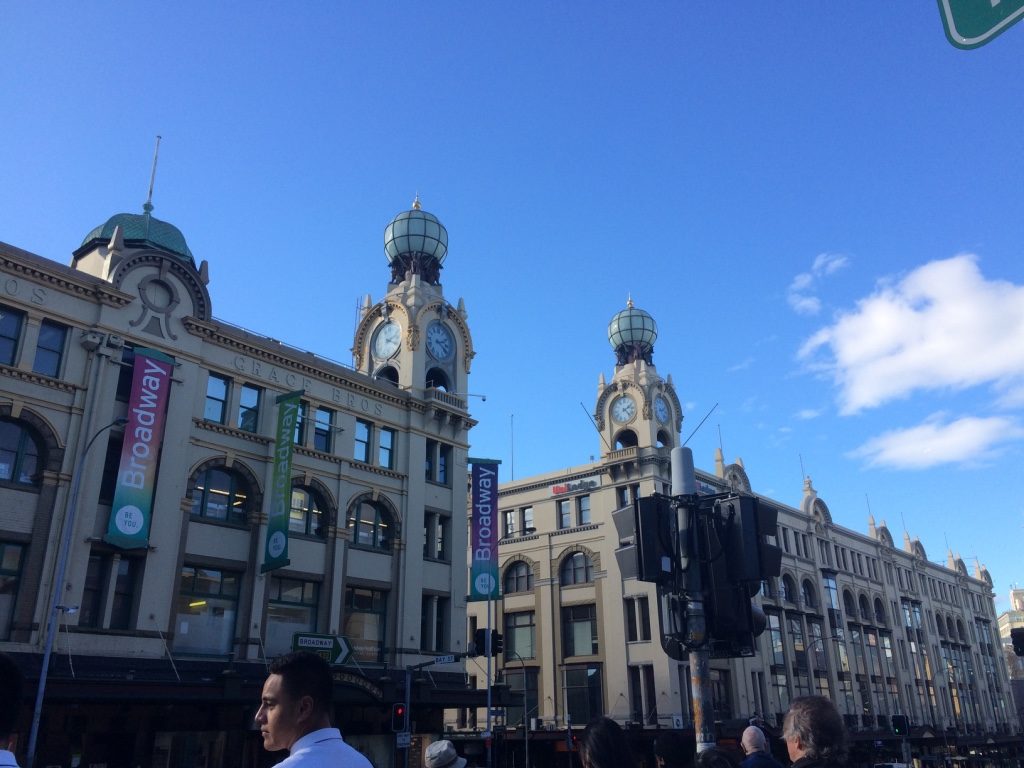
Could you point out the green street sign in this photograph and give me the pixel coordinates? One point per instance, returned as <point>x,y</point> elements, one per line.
<point>970,23</point>
<point>335,650</point>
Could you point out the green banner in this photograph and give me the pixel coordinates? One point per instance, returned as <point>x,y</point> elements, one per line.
<point>132,509</point>
<point>275,555</point>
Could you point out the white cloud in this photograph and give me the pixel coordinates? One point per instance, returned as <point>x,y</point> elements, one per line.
<point>741,366</point>
<point>942,326</point>
<point>933,442</point>
<point>800,294</point>
<point>806,414</point>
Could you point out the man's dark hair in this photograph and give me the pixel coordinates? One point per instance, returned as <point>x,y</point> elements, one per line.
<point>714,758</point>
<point>11,682</point>
<point>674,749</point>
<point>604,745</point>
<point>815,721</point>
<point>306,674</point>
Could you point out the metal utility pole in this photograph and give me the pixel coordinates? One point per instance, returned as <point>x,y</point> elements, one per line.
<point>684,493</point>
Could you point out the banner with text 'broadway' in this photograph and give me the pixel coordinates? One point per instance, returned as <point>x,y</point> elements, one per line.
<point>483,570</point>
<point>275,554</point>
<point>132,510</point>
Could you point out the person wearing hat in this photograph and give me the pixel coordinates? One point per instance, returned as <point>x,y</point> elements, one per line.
<point>755,747</point>
<point>442,754</point>
<point>294,714</point>
<point>671,750</point>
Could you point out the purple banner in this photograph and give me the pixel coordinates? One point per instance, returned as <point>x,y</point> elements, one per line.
<point>483,570</point>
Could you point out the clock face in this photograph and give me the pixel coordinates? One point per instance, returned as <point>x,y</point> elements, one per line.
<point>661,409</point>
<point>440,342</point>
<point>388,339</point>
<point>623,409</point>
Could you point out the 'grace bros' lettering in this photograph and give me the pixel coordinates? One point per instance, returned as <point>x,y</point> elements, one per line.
<point>293,380</point>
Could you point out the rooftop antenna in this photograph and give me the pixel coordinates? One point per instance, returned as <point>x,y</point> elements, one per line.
<point>702,424</point>
<point>720,446</point>
<point>591,417</point>
<point>867,501</point>
<point>148,207</point>
<point>803,474</point>
<point>512,446</point>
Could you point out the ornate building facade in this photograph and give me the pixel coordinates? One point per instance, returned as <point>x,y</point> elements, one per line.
<point>162,647</point>
<point>879,628</point>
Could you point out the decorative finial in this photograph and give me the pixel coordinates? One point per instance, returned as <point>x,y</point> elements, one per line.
<point>148,205</point>
<point>629,301</point>
<point>416,203</point>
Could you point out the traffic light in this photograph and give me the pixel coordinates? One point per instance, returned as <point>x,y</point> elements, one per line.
<point>497,642</point>
<point>1017,638</point>
<point>399,717</point>
<point>647,539</point>
<point>748,523</point>
<point>899,725</point>
<point>479,643</point>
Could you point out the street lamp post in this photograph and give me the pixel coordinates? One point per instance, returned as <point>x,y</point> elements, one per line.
<point>58,584</point>
<point>526,705</point>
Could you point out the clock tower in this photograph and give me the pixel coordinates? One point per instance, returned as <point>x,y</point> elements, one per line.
<point>637,408</point>
<point>413,337</point>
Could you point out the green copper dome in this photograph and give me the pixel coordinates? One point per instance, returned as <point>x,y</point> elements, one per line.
<point>632,333</point>
<point>143,230</point>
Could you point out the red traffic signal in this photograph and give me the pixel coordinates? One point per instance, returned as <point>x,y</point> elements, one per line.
<point>399,717</point>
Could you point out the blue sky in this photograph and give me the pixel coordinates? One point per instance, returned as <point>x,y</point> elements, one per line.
<point>820,204</point>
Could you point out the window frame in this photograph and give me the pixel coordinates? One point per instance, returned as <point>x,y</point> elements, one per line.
<point>244,410</point>
<point>569,566</point>
<point>20,452</point>
<point>13,335</point>
<point>383,521</point>
<point>323,429</point>
<point>236,486</point>
<point>55,353</point>
<point>362,446</point>
<point>212,401</point>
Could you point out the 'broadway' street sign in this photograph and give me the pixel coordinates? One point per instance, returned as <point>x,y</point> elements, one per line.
<point>970,23</point>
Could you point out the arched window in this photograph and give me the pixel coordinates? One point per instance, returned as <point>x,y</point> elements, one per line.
<point>865,609</point>
<point>625,439</point>
<point>577,569</point>
<point>518,578</point>
<point>788,589</point>
<point>879,612</point>
<point>438,379</point>
<point>810,597</point>
<point>849,605</point>
<point>19,454</point>
<point>389,374</point>
<point>307,512</point>
<point>221,494</point>
<point>371,525</point>
<point>940,626</point>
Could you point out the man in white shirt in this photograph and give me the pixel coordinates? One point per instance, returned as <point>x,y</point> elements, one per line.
<point>295,714</point>
<point>10,702</point>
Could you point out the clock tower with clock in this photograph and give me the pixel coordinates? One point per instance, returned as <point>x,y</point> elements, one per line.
<point>413,337</point>
<point>637,408</point>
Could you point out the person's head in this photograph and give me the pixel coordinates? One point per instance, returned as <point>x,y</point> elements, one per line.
<point>442,754</point>
<point>813,728</point>
<point>296,699</point>
<point>603,744</point>
<point>10,702</point>
<point>714,758</point>
<point>671,750</point>
<point>753,740</point>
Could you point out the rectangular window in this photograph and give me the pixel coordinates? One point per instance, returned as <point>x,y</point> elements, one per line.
<point>216,398</point>
<point>323,430</point>
<point>249,408</point>
<point>430,462</point>
<point>97,582</point>
<point>91,614</point>
<point>50,348</point>
<point>364,434</point>
<point>123,600</point>
<point>386,448</point>
<point>583,692</point>
<point>563,508</point>
<point>444,461</point>
<point>10,334</point>
<point>301,415</point>
<point>510,523</point>
<point>125,373</point>
<point>291,608</point>
<point>514,680</point>
<point>520,635</point>
<point>629,609</point>
<point>206,611</point>
<point>638,618</point>
<point>366,622</point>
<point>441,624</point>
<point>583,510</point>
<point>442,533</point>
<point>579,625</point>
<point>11,557</point>
<point>528,519</point>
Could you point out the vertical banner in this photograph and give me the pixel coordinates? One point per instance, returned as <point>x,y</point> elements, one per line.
<point>483,571</point>
<point>132,510</point>
<point>275,554</point>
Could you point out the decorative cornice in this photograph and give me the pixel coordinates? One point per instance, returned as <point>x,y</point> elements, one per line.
<point>376,470</point>
<point>223,429</point>
<point>314,366</point>
<point>301,450</point>
<point>37,378</point>
<point>60,277</point>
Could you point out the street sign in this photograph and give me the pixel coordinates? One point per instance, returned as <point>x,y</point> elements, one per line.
<point>403,739</point>
<point>449,659</point>
<point>333,648</point>
<point>970,23</point>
